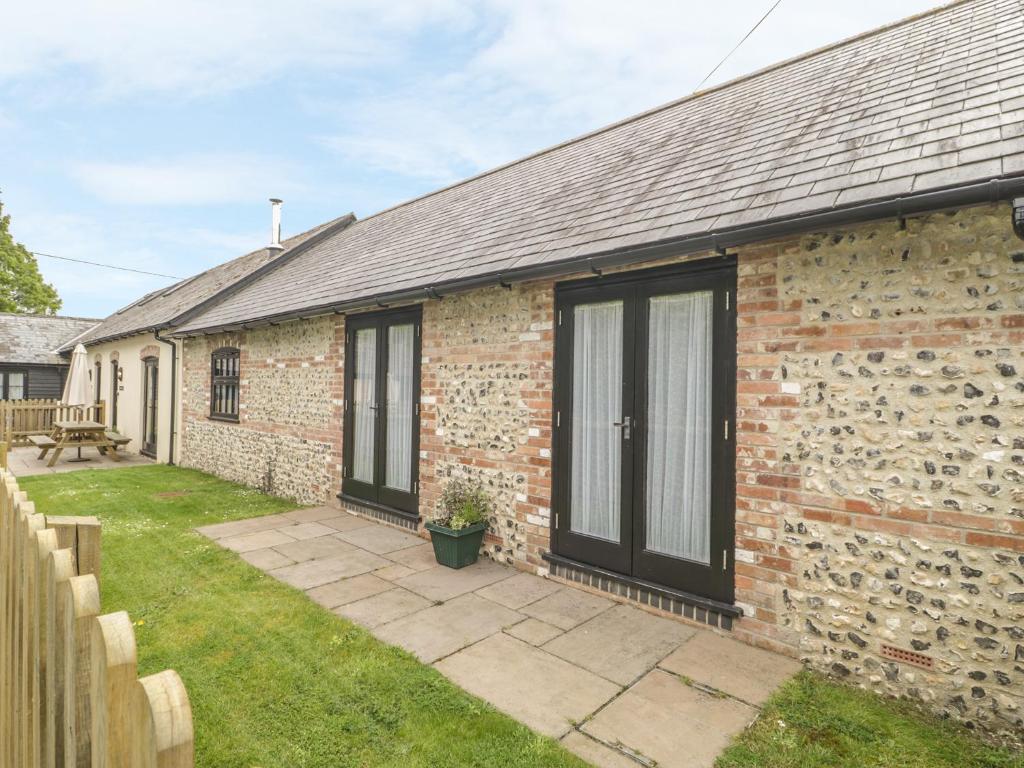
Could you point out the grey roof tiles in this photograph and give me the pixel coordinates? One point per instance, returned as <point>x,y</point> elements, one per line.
<point>932,102</point>
<point>160,307</point>
<point>34,339</point>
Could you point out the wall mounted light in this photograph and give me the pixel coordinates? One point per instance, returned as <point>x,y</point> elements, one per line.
<point>1018,217</point>
<point>120,373</point>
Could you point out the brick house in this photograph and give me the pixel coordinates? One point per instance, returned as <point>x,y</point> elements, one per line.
<point>135,367</point>
<point>753,358</point>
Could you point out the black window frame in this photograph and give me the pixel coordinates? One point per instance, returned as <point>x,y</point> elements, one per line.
<point>5,382</point>
<point>225,356</point>
<point>377,494</point>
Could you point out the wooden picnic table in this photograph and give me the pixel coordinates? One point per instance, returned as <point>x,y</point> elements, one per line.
<point>77,434</point>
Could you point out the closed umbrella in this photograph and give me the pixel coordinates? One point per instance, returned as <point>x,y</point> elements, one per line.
<point>78,387</point>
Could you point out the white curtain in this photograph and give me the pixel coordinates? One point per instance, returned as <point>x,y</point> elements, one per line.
<point>364,389</point>
<point>596,405</point>
<point>398,473</point>
<point>679,426</point>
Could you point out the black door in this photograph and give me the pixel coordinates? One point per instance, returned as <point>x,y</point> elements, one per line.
<point>113,393</point>
<point>644,396</point>
<point>150,377</point>
<point>382,396</point>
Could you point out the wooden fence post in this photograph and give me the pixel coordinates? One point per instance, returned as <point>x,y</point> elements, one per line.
<point>46,542</point>
<point>162,729</point>
<point>114,675</point>
<point>60,568</point>
<point>31,525</point>
<point>81,607</point>
<point>82,536</point>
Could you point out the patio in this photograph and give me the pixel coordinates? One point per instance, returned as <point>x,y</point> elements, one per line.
<point>25,461</point>
<point>617,685</point>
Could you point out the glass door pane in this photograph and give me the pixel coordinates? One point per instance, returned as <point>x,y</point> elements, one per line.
<point>398,468</point>
<point>15,386</point>
<point>364,404</point>
<point>595,493</point>
<point>679,381</point>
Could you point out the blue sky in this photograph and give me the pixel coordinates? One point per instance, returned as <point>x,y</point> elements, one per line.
<point>150,134</point>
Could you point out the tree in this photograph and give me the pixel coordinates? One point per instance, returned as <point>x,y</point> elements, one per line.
<point>22,288</point>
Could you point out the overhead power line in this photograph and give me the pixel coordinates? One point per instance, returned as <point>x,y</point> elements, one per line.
<point>105,266</point>
<point>741,42</point>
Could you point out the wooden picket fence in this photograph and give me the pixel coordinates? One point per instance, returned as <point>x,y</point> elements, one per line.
<point>70,696</point>
<point>21,418</point>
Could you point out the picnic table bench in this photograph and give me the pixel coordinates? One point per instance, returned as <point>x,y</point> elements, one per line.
<point>78,434</point>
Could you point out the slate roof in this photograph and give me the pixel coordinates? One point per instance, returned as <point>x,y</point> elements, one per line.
<point>932,102</point>
<point>34,339</point>
<point>159,308</point>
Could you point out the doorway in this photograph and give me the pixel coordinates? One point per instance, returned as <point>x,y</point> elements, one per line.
<point>150,377</point>
<point>382,396</point>
<point>644,401</point>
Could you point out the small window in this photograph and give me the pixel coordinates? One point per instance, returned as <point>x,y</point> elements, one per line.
<point>14,385</point>
<point>224,367</point>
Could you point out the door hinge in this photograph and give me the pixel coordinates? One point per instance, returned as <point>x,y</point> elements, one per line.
<point>558,419</point>
<point>416,485</point>
<point>727,299</point>
<point>556,520</point>
<point>417,409</point>
<point>559,317</point>
<point>344,471</point>
<point>725,559</point>
<point>726,429</point>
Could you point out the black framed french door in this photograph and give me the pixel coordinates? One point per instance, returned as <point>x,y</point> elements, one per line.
<point>113,393</point>
<point>382,406</point>
<point>150,409</point>
<point>644,470</point>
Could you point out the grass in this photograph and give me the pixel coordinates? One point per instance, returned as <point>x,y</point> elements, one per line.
<point>813,723</point>
<point>274,680</point>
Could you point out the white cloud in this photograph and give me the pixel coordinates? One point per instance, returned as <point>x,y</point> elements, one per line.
<point>550,69</point>
<point>190,180</point>
<point>193,47</point>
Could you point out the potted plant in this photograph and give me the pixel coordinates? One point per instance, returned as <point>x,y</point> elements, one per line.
<point>459,530</point>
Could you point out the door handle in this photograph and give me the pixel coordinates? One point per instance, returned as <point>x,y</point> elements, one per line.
<point>624,425</point>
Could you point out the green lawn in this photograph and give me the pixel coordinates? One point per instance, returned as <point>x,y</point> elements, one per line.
<point>813,723</point>
<point>274,679</point>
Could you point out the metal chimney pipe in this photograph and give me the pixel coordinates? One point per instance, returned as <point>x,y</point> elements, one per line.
<point>275,225</point>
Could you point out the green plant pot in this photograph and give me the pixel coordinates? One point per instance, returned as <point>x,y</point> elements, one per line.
<point>456,549</point>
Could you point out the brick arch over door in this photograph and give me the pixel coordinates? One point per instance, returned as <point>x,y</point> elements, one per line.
<point>150,350</point>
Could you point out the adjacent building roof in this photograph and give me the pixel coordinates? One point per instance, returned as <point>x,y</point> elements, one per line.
<point>35,339</point>
<point>161,308</point>
<point>933,103</point>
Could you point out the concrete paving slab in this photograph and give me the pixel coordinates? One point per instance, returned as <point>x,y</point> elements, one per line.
<point>445,583</point>
<point>536,688</point>
<point>418,558</point>
<point>312,515</point>
<point>383,607</point>
<point>348,590</point>
<point>727,665</point>
<point>670,722</point>
<point>252,541</point>
<point>242,527</point>
<point>304,531</point>
<point>315,549</point>
<point>444,629</point>
<point>519,590</point>
<point>534,631</point>
<point>621,643</point>
<point>596,753</point>
<point>314,573</point>
<point>567,607</point>
<point>266,559</point>
<point>345,522</point>
<point>394,572</point>
<point>380,539</point>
